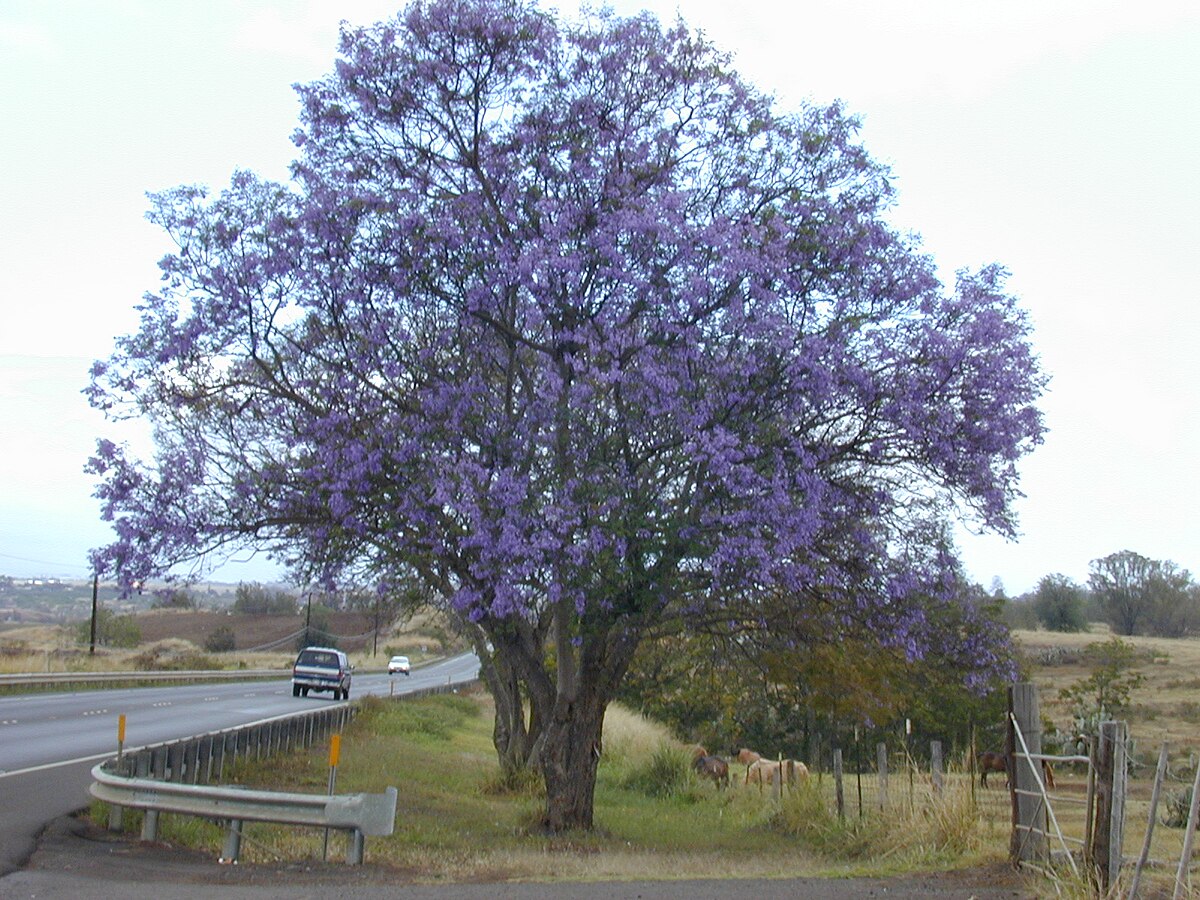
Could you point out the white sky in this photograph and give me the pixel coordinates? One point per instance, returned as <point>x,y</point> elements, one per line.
<point>1058,137</point>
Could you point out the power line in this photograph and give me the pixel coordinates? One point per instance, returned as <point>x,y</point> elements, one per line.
<point>46,562</point>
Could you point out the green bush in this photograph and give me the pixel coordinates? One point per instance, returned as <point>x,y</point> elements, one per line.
<point>111,630</point>
<point>220,640</point>
<point>667,773</point>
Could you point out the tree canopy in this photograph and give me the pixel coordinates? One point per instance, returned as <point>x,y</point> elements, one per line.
<point>571,324</point>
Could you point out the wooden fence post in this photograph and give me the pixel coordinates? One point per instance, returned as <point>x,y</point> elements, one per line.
<point>1028,842</point>
<point>837,784</point>
<point>1185,858</point>
<point>1159,774</point>
<point>935,766</point>
<point>881,766</point>
<point>1108,834</point>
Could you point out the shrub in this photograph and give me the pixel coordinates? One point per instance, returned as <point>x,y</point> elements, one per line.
<point>173,656</point>
<point>112,630</point>
<point>1179,804</point>
<point>220,640</point>
<point>666,773</point>
<point>1059,604</point>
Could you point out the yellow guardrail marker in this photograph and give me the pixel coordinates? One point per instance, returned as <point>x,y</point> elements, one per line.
<point>335,750</point>
<point>120,735</point>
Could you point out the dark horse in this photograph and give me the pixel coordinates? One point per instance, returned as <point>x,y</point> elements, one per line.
<point>998,762</point>
<point>711,767</point>
<point>991,762</point>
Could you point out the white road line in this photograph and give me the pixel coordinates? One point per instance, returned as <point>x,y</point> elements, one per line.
<point>55,765</point>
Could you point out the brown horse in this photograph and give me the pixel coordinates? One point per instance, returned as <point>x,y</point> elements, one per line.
<point>711,767</point>
<point>991,762</point>
<point>998,762</point>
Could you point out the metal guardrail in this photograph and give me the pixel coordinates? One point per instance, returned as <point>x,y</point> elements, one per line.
<point>43,679</point>
<point>172,777</point>
<point>360,814</point>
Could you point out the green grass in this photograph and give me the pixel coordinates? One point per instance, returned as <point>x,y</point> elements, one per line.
<point>457,821</point>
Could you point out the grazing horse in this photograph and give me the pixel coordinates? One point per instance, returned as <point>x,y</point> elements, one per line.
<point>766,771</point>
<point>998,762</point>
<point>711,767</point>
<point>747,758</point>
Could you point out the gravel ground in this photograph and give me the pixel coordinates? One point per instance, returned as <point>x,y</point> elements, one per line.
<point>75,859</point>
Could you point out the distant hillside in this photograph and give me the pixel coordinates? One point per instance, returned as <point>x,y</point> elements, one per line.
<point>353,630</point>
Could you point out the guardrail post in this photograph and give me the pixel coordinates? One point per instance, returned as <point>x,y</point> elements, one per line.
<point>150,825</point>
<point>158,763</point>
<point>191,761</point>
<point>115,817</point>
<point>233,842</point>
<point>355,847</point>
<point>205,752</point>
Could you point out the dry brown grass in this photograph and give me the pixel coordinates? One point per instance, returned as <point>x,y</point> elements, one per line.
<point>1166,707</point>
<point>175,639</point>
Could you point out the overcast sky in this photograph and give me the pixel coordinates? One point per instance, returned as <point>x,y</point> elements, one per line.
<point>1061,139</point>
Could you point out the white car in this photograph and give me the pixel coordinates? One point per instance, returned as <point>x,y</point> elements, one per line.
<point>398,664</point>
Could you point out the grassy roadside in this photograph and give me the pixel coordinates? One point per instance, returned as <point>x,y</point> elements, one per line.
<point>654,820</point>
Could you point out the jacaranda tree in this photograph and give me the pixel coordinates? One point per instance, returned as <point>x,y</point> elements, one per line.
<point>570,323</point>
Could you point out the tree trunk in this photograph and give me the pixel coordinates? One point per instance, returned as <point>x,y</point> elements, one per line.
<point>570,755</point>
<point>513,738</point>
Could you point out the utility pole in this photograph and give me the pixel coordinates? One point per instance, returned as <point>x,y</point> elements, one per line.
<point>375,640</point>
<point>95,595</point>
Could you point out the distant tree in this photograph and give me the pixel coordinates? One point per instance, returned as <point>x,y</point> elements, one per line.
<point>254,599</point>
<point>573,322</point>
<point>1018,612</point>
<point>1121,583</point>
<point>1174,602</point>
<point>1145,596</point>
<point>175,598</point>
<point>1058,603</point>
